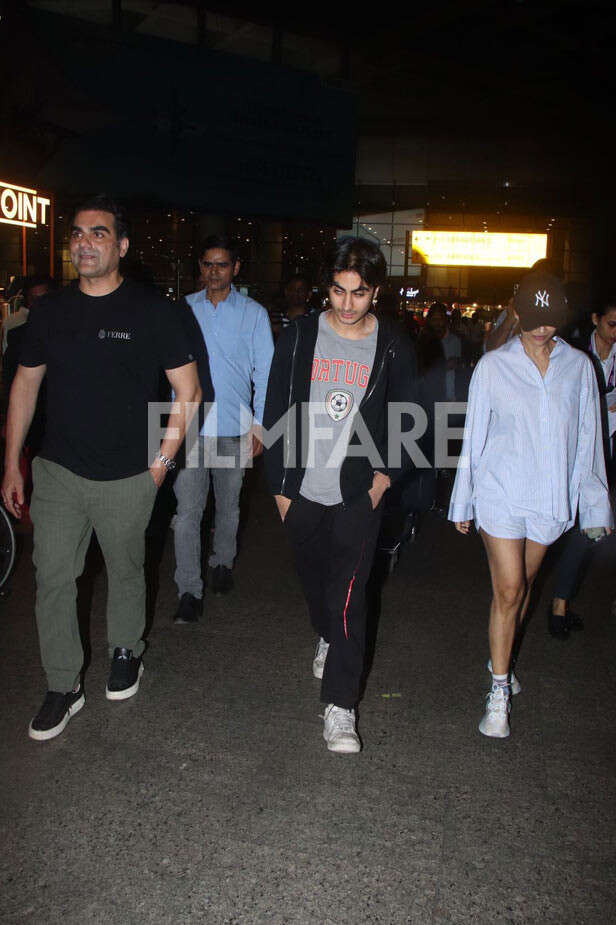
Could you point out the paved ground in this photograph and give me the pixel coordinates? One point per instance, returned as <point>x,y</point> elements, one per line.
<point>211,797</point>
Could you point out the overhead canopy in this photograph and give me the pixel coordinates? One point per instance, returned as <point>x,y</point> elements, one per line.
<point>182,125</point>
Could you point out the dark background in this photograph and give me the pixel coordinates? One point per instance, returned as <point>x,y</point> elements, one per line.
<point>498,108</point>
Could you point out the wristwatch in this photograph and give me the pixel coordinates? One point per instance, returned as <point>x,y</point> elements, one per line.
<point>167,462</point>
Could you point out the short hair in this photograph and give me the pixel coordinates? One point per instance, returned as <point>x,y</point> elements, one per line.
<point>223,242</point>
<point>104,203</point>
<point>31,282</point>
<point>360,255</point>
<point>604,304</point>
<point>437,308</point>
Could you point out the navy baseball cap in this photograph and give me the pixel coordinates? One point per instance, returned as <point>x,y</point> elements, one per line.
<point>540,301</point>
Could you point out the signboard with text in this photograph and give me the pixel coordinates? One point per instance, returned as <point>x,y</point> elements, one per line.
<point>477,248</point>
<point>22,206</point>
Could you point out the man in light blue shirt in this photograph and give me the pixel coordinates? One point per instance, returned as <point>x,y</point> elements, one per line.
<point>239,342</point>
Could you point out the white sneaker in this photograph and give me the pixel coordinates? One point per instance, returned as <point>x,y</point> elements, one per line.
<point>339,730</point>
<point>495,720</point>
<point>515,685</point>
<point>318,663</point>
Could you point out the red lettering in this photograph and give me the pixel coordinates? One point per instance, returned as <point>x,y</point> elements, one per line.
<point>350,374</point>
<point>336,364</point>
<point>326,370</point>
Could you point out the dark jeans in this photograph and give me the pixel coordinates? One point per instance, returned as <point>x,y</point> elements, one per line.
<point>334,548</point>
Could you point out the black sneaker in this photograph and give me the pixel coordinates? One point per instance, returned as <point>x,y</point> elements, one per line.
<point>222,580</point>
<point>189,609</point>
<point>55,713</point>
<point>124,675</point>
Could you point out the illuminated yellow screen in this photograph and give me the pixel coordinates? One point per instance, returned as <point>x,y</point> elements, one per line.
<point>477,248</point>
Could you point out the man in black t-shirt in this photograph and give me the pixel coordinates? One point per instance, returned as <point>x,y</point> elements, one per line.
<point>101,343</point>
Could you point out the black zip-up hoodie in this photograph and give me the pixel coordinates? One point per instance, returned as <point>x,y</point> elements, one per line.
<point>393,379</point>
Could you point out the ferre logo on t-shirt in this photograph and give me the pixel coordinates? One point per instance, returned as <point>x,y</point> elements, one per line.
<point>114,335</point>
<point>349,372</point>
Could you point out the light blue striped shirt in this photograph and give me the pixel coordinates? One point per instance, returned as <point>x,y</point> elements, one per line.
<point>239,343</point>
<point>533,444</point>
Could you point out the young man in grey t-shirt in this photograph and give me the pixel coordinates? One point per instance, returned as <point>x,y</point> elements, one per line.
<point>341,370</point>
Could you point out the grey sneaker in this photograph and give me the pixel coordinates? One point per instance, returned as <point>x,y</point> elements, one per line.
<point>495,722</point>
<point>318,662</point>
<point>339,730</point>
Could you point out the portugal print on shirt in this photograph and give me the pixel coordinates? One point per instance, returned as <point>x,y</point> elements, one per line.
<point>345,372</point>
<point>340,377</point>
<point>340,401</point>
<point>338,404</point>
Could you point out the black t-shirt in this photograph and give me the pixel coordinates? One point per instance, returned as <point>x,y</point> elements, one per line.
<point>103,356</point>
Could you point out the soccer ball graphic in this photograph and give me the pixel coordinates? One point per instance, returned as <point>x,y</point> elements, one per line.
<point>338,404</point>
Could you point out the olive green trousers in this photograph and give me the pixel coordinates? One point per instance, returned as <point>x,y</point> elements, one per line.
<point>65,509</point>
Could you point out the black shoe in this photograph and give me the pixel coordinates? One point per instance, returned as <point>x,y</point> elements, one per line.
<point>222,580</point>
<point>124,675</point>
<point>189,609</point>
<point>55,713</point>
<point>558,626</point>
<point>575,621</point>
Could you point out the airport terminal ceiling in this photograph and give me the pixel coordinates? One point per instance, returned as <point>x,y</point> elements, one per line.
<point>520,88</point>
<point>483,66</point>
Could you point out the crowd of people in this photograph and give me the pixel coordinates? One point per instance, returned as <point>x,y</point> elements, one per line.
<point>331,405</point>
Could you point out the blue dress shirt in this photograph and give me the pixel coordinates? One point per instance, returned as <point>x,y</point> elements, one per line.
<point>239,342</point>
<point>533,444</point>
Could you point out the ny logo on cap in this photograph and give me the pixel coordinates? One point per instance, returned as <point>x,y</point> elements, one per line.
<point>542,299</point>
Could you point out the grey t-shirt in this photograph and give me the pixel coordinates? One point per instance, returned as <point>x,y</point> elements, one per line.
<point>340,372</point>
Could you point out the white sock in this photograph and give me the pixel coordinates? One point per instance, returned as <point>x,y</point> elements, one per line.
<point>500,682</point>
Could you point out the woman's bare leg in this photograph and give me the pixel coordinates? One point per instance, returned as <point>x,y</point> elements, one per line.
<point>533,557</point>
<point>506,560</point>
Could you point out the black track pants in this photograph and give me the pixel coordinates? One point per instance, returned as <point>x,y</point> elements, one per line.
<point>574,554</point>
<point>334,549</point>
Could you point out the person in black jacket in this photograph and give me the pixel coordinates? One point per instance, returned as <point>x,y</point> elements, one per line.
<point>333,380</point>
